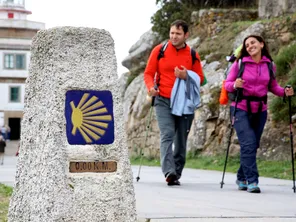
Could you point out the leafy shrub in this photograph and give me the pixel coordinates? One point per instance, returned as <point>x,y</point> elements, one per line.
<point>280,111</point>
<point>285,59</point>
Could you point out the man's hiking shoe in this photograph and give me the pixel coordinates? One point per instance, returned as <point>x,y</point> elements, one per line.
<point>174,183</point>
<point>253,188</point>
<point>170,178</point>
<point>242,185</point>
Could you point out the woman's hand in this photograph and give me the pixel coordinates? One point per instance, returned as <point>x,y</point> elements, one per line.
<point>239,83</point>
<point>181,72</point>
<point>289,91</point>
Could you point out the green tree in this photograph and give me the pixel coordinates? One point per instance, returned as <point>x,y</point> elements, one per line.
<point>171,10</point>
<point>168,13</point>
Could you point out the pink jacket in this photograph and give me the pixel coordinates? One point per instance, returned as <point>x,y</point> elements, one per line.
<point>256,76</point>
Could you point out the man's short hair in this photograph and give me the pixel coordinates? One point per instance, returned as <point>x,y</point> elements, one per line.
<point>180,23</point>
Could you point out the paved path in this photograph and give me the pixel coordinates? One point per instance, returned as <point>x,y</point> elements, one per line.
<point>7,171</point>
<point>199,198</point>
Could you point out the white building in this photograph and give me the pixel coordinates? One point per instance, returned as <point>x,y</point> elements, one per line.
<point>16,34</point>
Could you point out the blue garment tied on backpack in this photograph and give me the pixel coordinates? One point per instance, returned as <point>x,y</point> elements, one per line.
<point>185,95</point>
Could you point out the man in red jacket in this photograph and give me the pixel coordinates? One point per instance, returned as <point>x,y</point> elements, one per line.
<point>174,64</point>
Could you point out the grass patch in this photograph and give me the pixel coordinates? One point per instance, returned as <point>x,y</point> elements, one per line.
<point>145,161</point>
<point>5,193</point>
<point>272,169</point>
<point>222,42</point>
<point>213,163</point>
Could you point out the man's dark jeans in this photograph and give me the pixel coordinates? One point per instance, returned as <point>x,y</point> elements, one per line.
<point>249,140</point>
<point>173,129</point>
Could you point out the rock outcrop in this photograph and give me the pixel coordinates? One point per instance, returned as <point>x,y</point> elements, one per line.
<point>275,8</point>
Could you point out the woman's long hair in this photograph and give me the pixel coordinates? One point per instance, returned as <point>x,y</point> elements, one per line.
<point>264,51</point>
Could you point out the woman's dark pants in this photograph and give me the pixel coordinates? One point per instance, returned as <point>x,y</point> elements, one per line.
<point>249,140</point>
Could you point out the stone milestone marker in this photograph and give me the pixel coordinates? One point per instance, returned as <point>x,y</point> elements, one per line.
<point>73,163</point>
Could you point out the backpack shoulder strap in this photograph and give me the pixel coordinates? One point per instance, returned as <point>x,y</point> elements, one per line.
<point>241,67</point>
<point>161,51</point>
<point>165,45</point>
<point>193,55</point>
<point>271,71</point>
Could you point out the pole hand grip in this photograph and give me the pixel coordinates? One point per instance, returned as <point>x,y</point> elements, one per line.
<point>153,97</point>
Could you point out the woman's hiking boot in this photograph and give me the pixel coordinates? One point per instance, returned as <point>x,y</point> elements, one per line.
<point>253,188</point>
<point>242,185</point>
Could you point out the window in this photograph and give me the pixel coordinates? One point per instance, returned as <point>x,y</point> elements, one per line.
<point>14,61</point>
<point>14,94</point>
<point>20,61</point>
<point>8,61</point>
<point>20,2</point>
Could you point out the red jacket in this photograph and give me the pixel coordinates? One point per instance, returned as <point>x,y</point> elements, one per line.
<point>165,67</point>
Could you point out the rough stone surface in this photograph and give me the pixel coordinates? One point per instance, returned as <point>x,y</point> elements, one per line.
<point>215,15</point>
<point>137,112</point>
<point>139,50</point>
<point>63,59</point>
<point>274,8</point>
<point>255,29</point>
<point>194,43</point>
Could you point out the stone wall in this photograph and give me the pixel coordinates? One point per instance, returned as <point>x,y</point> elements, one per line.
<point>210,16</point>
<point>275,8</point>
<point>211,19</point>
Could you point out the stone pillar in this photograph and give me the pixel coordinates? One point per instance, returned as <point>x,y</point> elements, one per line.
<point>73,163</point>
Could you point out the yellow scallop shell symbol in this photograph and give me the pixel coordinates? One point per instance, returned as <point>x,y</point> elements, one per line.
<point>90,117</point>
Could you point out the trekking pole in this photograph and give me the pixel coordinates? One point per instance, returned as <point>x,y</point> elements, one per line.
<point>146,135</point>
<point>291,141</point>
<point>230,135</point>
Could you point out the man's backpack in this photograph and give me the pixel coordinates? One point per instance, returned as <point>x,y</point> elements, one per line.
<point>193,57</point>
<point>225,96</point>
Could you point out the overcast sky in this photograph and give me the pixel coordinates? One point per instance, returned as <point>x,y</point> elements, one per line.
<point>126,20</point>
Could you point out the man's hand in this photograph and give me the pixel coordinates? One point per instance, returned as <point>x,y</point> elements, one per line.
<point>181,72</point>
<point>153,92</point>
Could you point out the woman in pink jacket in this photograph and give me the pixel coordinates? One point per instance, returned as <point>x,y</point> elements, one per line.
<point>251,111</point>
